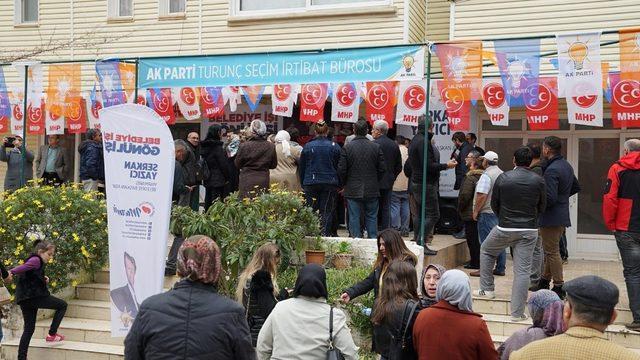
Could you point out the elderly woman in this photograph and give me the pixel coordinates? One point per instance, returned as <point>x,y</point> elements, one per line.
<point>461,333</point>
<point>286,173</point>
<point>254,159</point>
<point>429,284</point>
<point>179,324</point>
<point>545,308</point>
<point>298,328</point>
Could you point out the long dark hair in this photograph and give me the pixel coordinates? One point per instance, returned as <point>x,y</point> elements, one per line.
<point>399,284</point>
<point>395,249</point>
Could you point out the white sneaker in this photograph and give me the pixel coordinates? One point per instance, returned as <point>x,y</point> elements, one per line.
<point>524,317</point>
<point>485,294</point>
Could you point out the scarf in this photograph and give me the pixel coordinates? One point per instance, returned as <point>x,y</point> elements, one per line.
<point>199,260</point>
<point>454,288</point>
<point>283,137</point>
<point>425,299</point>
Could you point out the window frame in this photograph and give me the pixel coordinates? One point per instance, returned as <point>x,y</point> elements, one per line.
<point>164,10</point>
<point>19,8</point>
<point>113,11</point>
<point>234,6</point>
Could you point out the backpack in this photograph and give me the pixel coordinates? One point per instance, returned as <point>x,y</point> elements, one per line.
<point>400,346</point>
<point>203,173</point>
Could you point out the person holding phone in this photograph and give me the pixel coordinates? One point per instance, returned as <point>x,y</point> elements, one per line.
<point>11,153</point>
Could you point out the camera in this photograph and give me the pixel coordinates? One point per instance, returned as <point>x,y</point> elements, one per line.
<point>8,142</point>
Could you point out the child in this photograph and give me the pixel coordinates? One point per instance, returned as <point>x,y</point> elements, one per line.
<point>32,294</point>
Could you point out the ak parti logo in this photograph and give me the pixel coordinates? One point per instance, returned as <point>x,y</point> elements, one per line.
<point>346,94</point>
<point>626,93</point>
<point>414,97</point>
<point>188,96</point>
<point>282,92</point>
<point>378,96</point>
<point>493,95</point>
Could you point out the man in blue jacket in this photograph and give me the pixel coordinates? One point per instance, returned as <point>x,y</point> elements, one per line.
<point>561,184</point>
<point>91,161</point>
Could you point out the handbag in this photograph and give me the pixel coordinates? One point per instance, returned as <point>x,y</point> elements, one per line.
<point>333,353</point>
<point>5,296</point>
<point>398,345</point>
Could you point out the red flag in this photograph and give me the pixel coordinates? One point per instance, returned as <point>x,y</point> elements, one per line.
<point>35,117</point>
<point>163,104</point>
<point>4,124</point>
<point>461,63</point>
<point>381,101</point>
<point>458,107</point>
<point>142,100</point>
<point>212,102</point>
<point>313,99</point>
<point>17,119</point>
<point>542,113</point>
<point>77,116</point>
<point>625,103</point>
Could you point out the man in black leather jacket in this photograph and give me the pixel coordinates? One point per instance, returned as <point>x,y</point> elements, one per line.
<point>519,197</point>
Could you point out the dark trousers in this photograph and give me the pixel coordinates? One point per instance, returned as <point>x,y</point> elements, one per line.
<point>213,193</point>
<point>29,313</point>
<point>564,252</point>
<point>322,199</point>
<point>432,209</point>
<point>471,232</point>
<point>51,179</point>
<point>384,211</point>
<point>629,246</point>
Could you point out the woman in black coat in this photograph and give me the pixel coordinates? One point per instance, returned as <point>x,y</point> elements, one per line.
<point>191,321</point>
<point>214,155</point>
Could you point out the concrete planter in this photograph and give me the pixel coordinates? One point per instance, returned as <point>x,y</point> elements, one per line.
<point>342,261</point>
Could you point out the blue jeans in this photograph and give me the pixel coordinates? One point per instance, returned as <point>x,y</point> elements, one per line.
<point>629,246</point>
<point>400,210</point>
<point>368,206</point>
<point>322,199</point>
<point>486,222</point>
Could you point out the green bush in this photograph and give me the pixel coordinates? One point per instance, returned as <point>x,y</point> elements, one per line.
<point>75,221</point>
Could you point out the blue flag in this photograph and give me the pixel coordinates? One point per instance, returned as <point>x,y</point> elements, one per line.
<point>519,63</point>
<point>110,83</point>
<point>5,106</point>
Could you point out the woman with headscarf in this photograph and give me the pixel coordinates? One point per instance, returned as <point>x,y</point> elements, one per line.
<point>545,308</point>
<point>298,328</point>
<point>179,324</point>
<point>231,146</point>
<point>286,173</point>
<point>429,280</point>
<point>255,157</point>
<point>450,330</point>
<point>213,154</point>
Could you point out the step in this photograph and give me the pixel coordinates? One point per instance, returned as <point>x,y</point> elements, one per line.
<point>65,350</point>
<point>89,309</point>
<point>97,291</point>
<point>81,330</point>
<point>102,277</point>
<point>452,252</point>
<point>503,307</point>
<point>503,326</point>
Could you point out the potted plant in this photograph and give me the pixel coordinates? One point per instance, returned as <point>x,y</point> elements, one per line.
<point>316,252</point>
<point>343,256</point>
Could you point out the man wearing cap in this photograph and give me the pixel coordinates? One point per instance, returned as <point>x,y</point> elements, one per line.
<point>482,212</point>
<point>621,212</point>
<point>589,309</point>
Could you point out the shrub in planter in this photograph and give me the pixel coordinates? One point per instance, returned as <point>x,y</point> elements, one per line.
<point>343,256</point>
<point>75,221</point>
<point>315,252</point>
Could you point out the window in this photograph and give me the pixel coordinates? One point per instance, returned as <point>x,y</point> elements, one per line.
<point>172,7</point>
<point>119,9</point>
<point>303,5</point>
<point>26,11</point>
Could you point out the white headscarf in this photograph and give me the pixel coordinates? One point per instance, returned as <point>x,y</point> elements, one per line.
<point>454,288</point>
<point>258,128</point>
<point>283,138</point>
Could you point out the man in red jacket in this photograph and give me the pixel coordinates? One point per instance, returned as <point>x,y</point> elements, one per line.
<point>621,212</point>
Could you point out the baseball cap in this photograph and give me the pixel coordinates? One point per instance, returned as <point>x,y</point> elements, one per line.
<point>490,156</point>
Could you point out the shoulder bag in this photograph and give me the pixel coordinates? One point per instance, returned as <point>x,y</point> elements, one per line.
<point>333,353</point>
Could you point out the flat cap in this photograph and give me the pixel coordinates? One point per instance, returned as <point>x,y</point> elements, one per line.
<point>592,291</point>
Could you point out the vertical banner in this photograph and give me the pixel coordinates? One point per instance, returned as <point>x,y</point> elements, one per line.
<point>110,83</point>
<point>212,102</point>
<point>253,95</point>
<point>64,83</point>
<point>381,101</point>
<point>187,99</point>
<point>54,124</point>
<point>5,105</point>
<point>585,109</point>
<point>313,98</point>
<point>94,105</point>
<point>579,67</point>
<point>412,102</point>
<point>282,99</point>
<point>161,102</point>
<point>17,119</point>
<point>128,78</point>
<point>494,98</point>
<point>138,148</point>
<point>630,54</point>
<point>458,107</point>
<point>519,64</point>
<point>625,103</point>
<point>231,95</point>
<point>345,102</point>
<point>542,112</point>
<point>461,64</point>
<point>77,115</point>
<point>35,118</point>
